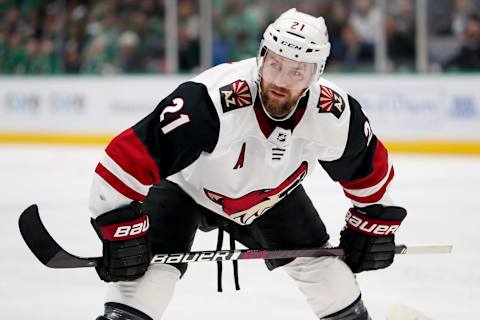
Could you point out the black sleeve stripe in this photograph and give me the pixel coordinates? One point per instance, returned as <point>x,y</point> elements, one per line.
<point>356,161</point>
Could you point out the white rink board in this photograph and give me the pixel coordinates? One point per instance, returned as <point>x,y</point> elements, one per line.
<point>88,105</point>
<point>400,107</point>
<point>420,107</point>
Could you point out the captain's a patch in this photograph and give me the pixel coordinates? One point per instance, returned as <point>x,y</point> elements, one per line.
<point>330,101</point>
<point>235,95</point>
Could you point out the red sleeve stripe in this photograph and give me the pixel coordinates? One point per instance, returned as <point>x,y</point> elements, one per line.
<point>128,151</point>
<point>367,191</point>
<point>380,170</point>
<point>374,197</point>
<point>127,179</point>
<point>117,184</point>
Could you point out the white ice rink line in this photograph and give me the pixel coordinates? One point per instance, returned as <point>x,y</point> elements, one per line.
<point>441,194</point>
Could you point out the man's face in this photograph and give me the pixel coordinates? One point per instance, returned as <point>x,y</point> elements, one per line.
<point>282,83</point>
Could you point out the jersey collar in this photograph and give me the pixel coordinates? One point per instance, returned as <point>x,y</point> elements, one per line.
<point>267,124</point>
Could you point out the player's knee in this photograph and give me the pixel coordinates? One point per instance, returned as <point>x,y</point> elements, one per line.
<point>327,283</point>
<point>149,294</point>
<point>118,311</point>
<point>355,311</point>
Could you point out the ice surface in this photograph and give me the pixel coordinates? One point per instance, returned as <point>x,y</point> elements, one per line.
<point>440,193</point>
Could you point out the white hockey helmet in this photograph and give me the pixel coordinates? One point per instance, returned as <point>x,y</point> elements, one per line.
<point>297,36</point>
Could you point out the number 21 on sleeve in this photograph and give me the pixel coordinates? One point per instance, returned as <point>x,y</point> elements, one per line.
<point>181,117</point>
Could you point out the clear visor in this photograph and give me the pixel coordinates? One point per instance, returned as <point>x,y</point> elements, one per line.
<point>284,72</point>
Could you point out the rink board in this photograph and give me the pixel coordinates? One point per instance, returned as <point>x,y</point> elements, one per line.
<point>433,114</point>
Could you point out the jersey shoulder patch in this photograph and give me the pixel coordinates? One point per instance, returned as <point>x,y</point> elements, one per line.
<point>231,85</point>
<point>235,95</point>
<point>330,101</point>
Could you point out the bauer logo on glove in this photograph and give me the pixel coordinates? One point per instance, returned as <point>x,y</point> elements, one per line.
<point>126,230</point>
<point>359,222</point>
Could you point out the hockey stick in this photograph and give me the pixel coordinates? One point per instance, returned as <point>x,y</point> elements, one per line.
<point>49,252</point>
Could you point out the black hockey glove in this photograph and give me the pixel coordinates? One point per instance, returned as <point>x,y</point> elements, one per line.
<point>368,236</point>
<point>126,248</point>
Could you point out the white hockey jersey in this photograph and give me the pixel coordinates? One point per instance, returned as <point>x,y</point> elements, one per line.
<point>212,138</point>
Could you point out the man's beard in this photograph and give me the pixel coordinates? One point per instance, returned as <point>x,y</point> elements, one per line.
<point>277,109</point>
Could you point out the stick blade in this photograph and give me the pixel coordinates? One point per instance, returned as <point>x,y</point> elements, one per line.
<point>43,246</point>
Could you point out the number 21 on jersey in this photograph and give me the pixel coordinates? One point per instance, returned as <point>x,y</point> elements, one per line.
<point>181,117</point>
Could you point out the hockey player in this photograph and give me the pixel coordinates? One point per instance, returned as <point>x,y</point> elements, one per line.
<point>229,149</point>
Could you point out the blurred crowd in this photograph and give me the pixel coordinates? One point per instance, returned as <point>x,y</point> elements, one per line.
<point>128,36</point>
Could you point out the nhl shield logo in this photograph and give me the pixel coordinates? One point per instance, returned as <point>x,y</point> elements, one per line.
<point>235,95</point>
<point>331,102</point>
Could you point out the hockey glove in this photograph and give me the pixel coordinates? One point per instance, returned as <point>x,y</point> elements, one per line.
<point>368,236</point>
<point>126,248</point>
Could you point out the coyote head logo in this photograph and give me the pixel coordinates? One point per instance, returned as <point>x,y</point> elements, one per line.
<point>252,205</point>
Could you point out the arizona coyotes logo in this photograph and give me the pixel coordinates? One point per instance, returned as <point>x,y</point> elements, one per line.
<point>235,95</point>
<point>330,101</point>
<point>247,208</point>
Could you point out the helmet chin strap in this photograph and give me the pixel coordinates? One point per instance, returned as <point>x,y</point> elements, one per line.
<point>287,115</point>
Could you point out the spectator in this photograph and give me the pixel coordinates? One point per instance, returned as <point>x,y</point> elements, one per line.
<point>365,21</point>
<point>400,35</point>
<point>405,18</point>
<point>15,54</point>
<point>42,58</point>
<point>72,58</point>
<point>460,16</point>
<point>130,60</point>
<point>188,36</point>
<point>243,48</point>
<point>222,47</point>
<point>95,59</point>
<point>338,19</point>
<point>356,55</point>
<point>468,56</point>
<point>188,51</point>
<point>400,46</point>
<point>335,24</point>
<point>243,23</point>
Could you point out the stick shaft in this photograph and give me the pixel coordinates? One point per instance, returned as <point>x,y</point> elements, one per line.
<point>249,254</point>
<point>423,249</point>
<point>51,254</point>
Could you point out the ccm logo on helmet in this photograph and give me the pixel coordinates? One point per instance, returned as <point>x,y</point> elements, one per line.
<point>290,45</point>
<point>133,230</point>
<point>373,228</point>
